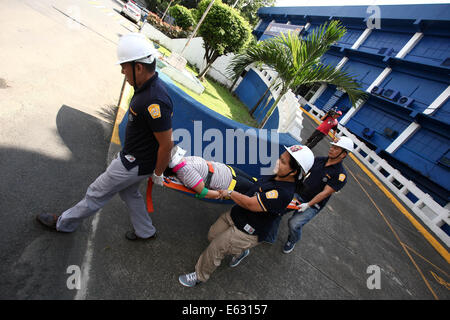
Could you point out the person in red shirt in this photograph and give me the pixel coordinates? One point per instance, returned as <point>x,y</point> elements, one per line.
<point>329,122</point>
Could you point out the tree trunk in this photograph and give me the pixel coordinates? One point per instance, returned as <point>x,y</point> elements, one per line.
<point>198,25</point>
<point>262,98</point>
<point>269,113</point>
<point>167,9</point>
<point>209,61</point>
<point>259,102</point>
<point>202,74</point>
<point>234,83</point>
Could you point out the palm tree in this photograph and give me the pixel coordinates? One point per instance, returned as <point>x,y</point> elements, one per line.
<point>297,62</point>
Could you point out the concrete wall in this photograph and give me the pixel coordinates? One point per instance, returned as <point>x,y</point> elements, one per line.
<point>194,53</point>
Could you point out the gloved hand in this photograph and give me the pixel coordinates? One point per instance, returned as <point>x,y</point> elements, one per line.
<point>158,179</point>
<point>303,207</point>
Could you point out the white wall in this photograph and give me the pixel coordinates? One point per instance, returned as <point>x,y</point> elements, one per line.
<point>194,53</point>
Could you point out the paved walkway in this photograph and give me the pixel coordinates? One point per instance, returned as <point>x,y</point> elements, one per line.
<point>360,233</point>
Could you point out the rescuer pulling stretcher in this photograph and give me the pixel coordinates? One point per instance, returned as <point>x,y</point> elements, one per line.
<point>204,179</point>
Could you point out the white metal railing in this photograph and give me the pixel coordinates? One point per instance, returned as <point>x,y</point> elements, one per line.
<point>432,214</point>
<point>290,115</point>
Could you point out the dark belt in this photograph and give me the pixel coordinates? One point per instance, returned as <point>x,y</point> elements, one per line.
<point>210,173</point>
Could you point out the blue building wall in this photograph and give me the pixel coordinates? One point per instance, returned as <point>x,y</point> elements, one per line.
<point>381,39</point>
<point>350,37</point>
<point>431,50</point>
<point>423,151</point>
<point>379,122</point>
<point>330,59</point>
<point>364,72</point>
<point>249,91</point>
<point>325,96</point>
<point>421,76</point>
<point>443,113</point>
<point>251,88</point>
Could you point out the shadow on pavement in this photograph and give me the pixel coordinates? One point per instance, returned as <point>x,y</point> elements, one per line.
<point>33,259</point>
<point>108,113</point>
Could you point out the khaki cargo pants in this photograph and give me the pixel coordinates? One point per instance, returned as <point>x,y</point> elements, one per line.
<point>225,239</point>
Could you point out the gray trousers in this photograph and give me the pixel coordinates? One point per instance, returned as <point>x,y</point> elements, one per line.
<point>116,179</point>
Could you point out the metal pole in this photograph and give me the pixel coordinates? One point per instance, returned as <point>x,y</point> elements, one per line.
<point>198,25</point>
<point>167,9</point>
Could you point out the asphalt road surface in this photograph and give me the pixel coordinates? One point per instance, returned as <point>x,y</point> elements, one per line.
<point>59,88</point>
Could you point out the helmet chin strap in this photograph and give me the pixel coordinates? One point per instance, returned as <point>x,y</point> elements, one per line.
<point>287,174</point>
<point>133,64</point>
<point>332,158</point>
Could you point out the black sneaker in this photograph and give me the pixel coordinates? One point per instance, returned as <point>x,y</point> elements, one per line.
<point>130,235</point>
<point>47,219</point>
<point>236,260</point>
<point>288,247</point>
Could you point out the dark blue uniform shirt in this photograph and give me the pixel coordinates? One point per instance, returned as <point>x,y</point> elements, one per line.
<point>334,176</point>
<point>273,196</point>
<point>150,111</point>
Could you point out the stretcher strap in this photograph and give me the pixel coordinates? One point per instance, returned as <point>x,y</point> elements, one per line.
<point>149,195</point>
<point>174,183</point>
<point>210,173</point>
<point>233,180</point>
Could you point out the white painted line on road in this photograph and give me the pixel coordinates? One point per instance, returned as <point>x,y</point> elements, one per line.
<point>87,260</point>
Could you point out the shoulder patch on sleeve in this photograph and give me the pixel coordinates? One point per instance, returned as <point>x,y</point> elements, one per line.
<point>273,194</point>
<point>342,177</point>
<point>155,111</point>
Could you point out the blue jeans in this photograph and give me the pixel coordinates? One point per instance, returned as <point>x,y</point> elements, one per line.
<point>273,233</point>
<point>295,223</point>
<point>298,220</point>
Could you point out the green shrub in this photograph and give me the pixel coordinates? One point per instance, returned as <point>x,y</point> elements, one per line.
<point>193,12</point>
<point>167,29</point>
<point>183,16</point>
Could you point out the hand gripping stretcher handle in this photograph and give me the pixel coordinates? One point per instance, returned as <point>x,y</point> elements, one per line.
<point>293,205</point>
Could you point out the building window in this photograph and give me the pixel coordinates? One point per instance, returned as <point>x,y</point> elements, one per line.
<point>312,91</point>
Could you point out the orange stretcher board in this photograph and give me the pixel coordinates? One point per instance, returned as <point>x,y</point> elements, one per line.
<point>175,184</point>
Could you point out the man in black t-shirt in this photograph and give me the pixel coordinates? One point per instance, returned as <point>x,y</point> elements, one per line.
<point>146,150</point>
<point>326,177</point>
<point>253,216</point>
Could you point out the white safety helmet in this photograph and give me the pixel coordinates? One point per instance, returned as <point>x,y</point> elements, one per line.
<point>176,156</point>
<point>345,143</point>
<point>135,47</point>
<point>303,155</point>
